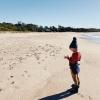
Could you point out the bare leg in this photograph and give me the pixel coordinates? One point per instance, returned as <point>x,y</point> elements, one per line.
<point>78,80</point>
<point>74,77</point>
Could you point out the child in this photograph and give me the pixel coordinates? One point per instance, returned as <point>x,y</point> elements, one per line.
<point>73,63</point>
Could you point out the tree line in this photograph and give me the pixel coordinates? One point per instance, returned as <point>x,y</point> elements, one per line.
<point>22,27</point>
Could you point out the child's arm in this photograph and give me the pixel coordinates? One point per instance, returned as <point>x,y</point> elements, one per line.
<point>67,57</point>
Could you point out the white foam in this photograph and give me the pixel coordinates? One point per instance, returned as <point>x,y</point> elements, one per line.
<point>94,37</point>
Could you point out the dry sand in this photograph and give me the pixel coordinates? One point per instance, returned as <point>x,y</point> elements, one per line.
<point>32,66</point>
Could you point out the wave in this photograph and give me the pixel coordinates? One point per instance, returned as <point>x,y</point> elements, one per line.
<point>94,37</point>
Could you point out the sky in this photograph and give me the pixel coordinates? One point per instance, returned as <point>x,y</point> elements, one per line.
<point>73,13</point>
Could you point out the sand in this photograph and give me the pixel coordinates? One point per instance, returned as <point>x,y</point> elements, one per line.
<point>32,67</point>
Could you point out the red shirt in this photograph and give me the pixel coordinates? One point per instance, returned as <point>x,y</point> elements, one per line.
<point>76,56</point>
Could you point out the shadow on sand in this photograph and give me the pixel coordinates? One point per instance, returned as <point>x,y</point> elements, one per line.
<point>59,96</point>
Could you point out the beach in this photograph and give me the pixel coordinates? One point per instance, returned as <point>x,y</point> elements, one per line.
<point>32,66</point>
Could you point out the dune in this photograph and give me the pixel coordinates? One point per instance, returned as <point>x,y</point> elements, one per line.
<point>32,67</point>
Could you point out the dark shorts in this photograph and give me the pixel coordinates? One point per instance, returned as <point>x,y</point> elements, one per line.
<point>75,68</point>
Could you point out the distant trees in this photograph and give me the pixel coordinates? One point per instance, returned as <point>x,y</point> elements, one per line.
<point>22,27</point>
<point>40,29</point>
<point>53,29</point>
<point>7,27</point>
<point>31,27</point>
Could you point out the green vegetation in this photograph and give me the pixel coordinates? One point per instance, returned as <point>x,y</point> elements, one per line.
<point>22,27</point>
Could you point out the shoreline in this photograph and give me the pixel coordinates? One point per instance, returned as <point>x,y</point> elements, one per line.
<point>93,37</point>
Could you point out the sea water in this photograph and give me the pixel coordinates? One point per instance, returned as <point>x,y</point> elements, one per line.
<point>94,37</point>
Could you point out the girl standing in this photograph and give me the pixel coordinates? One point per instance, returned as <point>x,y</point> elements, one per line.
<point>74,64</point>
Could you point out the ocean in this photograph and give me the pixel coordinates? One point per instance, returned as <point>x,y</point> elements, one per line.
<point>94,37</point>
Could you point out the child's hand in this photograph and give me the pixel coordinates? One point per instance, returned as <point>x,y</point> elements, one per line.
<point>66,57</point>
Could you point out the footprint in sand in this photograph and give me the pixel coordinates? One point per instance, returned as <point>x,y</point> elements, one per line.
<point>4,52</point>
<point>52,55</point>
<point>20,59</point>
<point>39,46</point>
<point>16,87</point>
<point>10,67</point>
<point>13,64</point>
<point>46,44</point>
<point>47,50</point>
<point>28,75</point>
<point>43,60</point>
<point>38,62</point>
<point>4,63</point>
<point>12,82</point>
<point>45,68</point>
<point>46,57</point>
<point>43,48</point>
<point>23,75</point>
<point>82,96</point>
<point>1,59</point>
<point>26,71</point>
<point>90,98</point>
<point>37,58</point>
<point>0,90</point>
<point>11,76</point>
